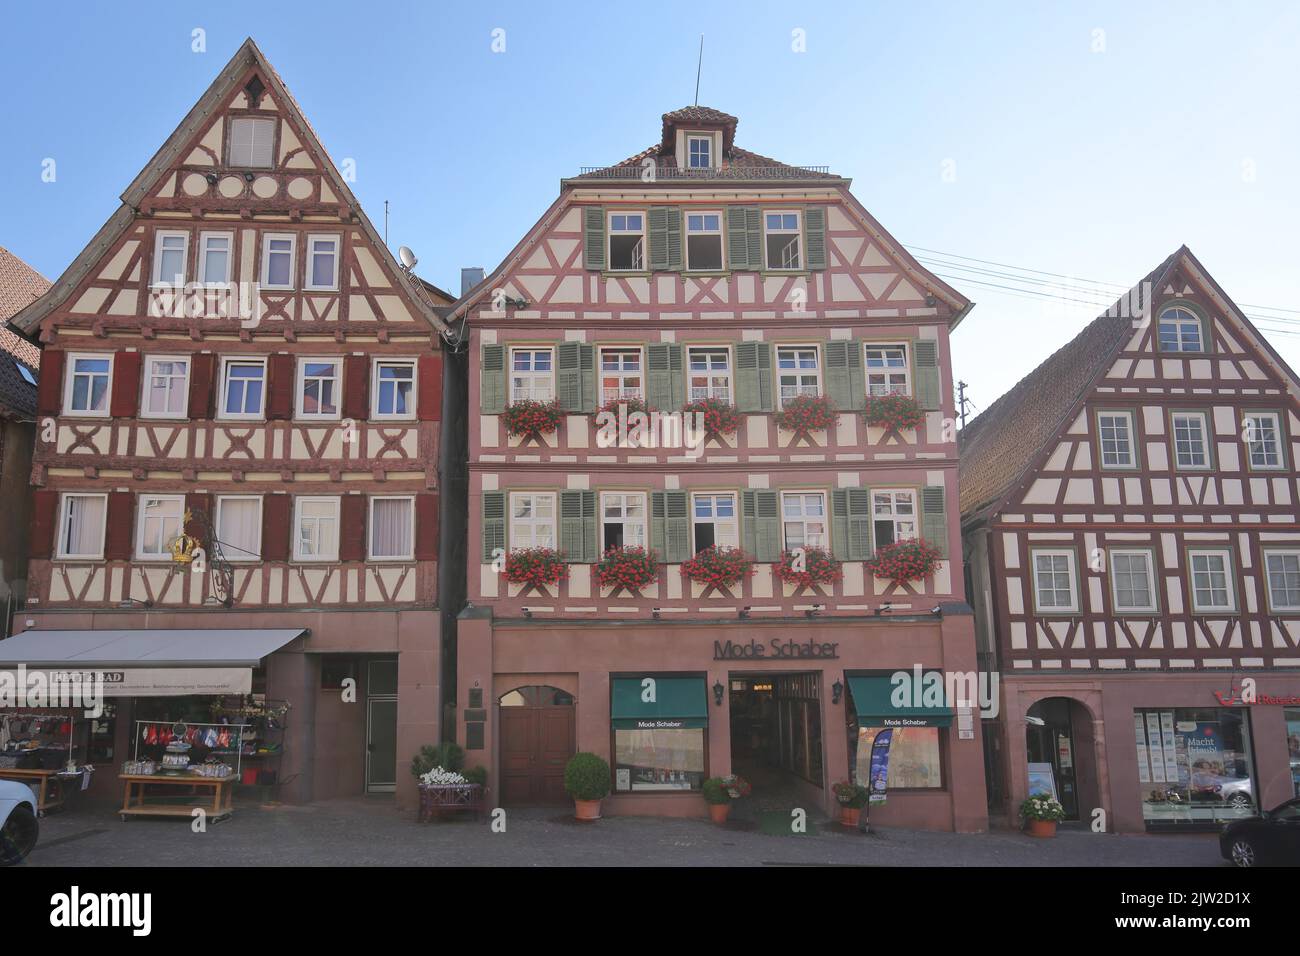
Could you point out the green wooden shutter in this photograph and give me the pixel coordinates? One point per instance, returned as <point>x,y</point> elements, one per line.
<point>675,259</point>
<point>670,532</point>
<point>492,380</point>
<point>840,523</point>
<point>926,362</point>
<point>664,382</point>
<point>845,384</point>
<point>494,524</point>
<point>578,527</point>
<point>851,523</point>
<point>754,236</point>
<point>664,227</point>
<point>814,227</point>
<point>738,256</point>
<point>593,237</point>
<point>761,518</point>
<point>934,518</point>
<point>575,376</point>
<point>753,376</point>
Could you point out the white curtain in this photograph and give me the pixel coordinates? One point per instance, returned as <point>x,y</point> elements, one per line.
<point>84,531</point>
<point>239,528</point>
<point>390,528</point>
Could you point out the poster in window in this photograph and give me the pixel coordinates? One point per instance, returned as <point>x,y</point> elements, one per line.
<point>1042,781</point>
<point>1172,769</point>
<point>1144,772</point>
<point>1155,750</point>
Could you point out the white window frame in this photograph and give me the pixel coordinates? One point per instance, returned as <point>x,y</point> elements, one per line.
<point>1204,420</point>
<point>1072,572</point>
<point>894,516</point>
<point>146,390</point>
<point>1131,432</point>
<point>797,231</point>
<point>725,392</point>
<point>60,552</point>
<point>370,528</point>
<point>230,159</point>
<point>70,382</point>
<point>313,239</point>
<point>805,519</point>
<point>707,139</point>
<point>731,538</point>
<point>222,414</point>
<point>798,373</point>
<point>534,522</point>
<point>298,502</point>
<point>720,232</point>
<point>532,378</point>
<point>624,392</point>
<point>624,520</point>
<point>375,366</point>
<point>141,517</point>
<point>160,236</point>
<point>300,388</point>
<point>1152,581</point>
<point>216,526</point>
<point>610,232</point>
<point>201,266</point>
<point>1278,444</point>
<point>1268,577</point>
<point>265,271</point>
<point>888,371</point>
<point>1230,587</point>
<point>1180,322</point>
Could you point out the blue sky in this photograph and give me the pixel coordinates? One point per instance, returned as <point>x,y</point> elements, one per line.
<point>1011,133</point>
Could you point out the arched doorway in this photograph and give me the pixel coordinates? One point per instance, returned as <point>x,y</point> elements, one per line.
<point>537,740</point>
<point>1059,746</point>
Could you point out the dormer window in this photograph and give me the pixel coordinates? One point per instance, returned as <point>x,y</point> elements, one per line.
<point>627,242</point>
<point>251,142</point>
<point>699,152</point>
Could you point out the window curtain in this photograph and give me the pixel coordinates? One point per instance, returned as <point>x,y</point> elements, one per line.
<point>390,531</point>
<point>85,525</point>
<point>239,526</point>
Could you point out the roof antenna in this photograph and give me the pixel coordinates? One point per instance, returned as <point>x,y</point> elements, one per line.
<point>699,66</point>
<point>385,222</point>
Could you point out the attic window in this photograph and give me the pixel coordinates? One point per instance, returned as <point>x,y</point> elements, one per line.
<point>251,142</point>
<point>699,152</point>
<point>254,89</point>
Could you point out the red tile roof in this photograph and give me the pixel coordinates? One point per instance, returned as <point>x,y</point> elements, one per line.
<point>20,285</point>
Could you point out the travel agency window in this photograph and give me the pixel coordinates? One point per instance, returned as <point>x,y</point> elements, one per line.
<point>896,727</point>
<point>660,728</point>
<point>1195,766</point>
<point>1293,745</point>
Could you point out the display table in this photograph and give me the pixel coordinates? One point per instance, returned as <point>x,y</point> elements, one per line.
<point>50,791</point>
<point>135,802</point>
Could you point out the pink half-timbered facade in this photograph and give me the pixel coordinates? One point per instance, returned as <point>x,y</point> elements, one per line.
<point>698,274</point>
<point>1130,520</point>
<point>237,344</point>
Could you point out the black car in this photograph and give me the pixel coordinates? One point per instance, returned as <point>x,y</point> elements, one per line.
<point>1271,839</point>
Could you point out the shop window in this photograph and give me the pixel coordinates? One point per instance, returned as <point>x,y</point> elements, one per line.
<point>1054,577</point>
<point>914,758</point>
<point>1283,569</point>
<point>715,522</point>
<point>1194,766</point>
<point>887,370</point>
<point>893,516</point>
<point>659,726</point>
<point>623,519</point>
<point>1132,581</point>
<point>1211,582</point>
<point>803,519</point>
<point>532,520</point>
<point>1293,746</point>
<point>532,375</point>
<point>710,374</point>
<point>1115,430</point>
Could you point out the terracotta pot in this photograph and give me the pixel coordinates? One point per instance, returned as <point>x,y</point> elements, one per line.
<point>1042,828</point>
<point>719,812</point>
<point>849,816</point>
<point>586,809</point>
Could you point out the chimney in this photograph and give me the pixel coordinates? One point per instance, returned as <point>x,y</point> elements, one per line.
<point>470,277</point>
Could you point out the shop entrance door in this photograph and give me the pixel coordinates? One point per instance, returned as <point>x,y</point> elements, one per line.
<point>381,726</point>
<point>537,739</point>
<point>776,738</point>
<point>1051,744</point>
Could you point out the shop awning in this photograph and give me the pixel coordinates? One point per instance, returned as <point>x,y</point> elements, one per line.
<point>667,703</point>
<point>148,663</point>
<point>877,706</point>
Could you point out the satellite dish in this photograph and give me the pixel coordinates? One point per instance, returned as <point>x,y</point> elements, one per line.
<point>407,256</point>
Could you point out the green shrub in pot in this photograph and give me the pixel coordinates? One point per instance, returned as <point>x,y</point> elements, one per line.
<point>586,777</point>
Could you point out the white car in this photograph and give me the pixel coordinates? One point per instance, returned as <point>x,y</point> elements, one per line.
<point>18,825</point>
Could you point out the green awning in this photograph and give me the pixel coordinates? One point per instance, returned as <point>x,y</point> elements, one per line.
<point>667,703</point>
<point>882,701</point>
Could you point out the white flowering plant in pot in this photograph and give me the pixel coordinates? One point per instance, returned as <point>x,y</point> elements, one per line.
<point>1042,808</point>
<point>438,777</point>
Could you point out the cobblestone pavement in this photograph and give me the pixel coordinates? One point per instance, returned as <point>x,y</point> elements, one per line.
<point>360,832</point>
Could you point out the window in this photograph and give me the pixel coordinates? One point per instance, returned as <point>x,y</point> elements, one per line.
<point>710,374</point>
<point>1195,766</point>
<point>699,150</point>
<point>714,518</point>
<point>803,517</point>
<point>214,257</point>
<point>394,389</point>
<point>914,762</point>
<point>81,526</point>
<point>169,253</point>
<point>532,375</point>
<point>323,263</point>
<point>1054,582</point>
<point>620,375</point>
<point>1263,439</point>
<point>316,529</point>
<point>242,387</point>
<point>1211,582</point>
<point>781,240</point>
<point>318,388</point>
<point>893,516</point>
<point>1283,568</point>
<point>277,261</point>
<point>392,529</point>
<point>887,370</point>
<point>1180,331</point>
<point>239,527</point>
<point>87,389</point>
<point>659,759</point>
<point>627,241</point>
<point>1132,581</point>
<point>623,519</point>
<point>157,525</point>
<point>797,370</point>
<point>532,520</point>
<point>1116,431</point>
<point>704,241</point>
<point>1191,445</point>
<point>166,387</point>
<point>251,142</point>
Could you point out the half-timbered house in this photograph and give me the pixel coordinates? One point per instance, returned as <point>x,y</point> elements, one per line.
<point>237,357</point>
<point>1129,517</point>
<point>699,272</point>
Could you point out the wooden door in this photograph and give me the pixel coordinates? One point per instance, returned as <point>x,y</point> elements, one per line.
<point>536,743</point>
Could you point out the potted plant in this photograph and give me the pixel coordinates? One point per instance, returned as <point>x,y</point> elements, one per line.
<point>912,559</point>
<point>530,418</point>
<point>805,414</point>
<point>716,567</point>
<point>1041,813</point>
<point>893,412</point>
<point>719,792</point>
<point>535,567</point>
<point>852,798</point>
<point>805,567</point>
<point>720,418</point>
<point>586,779</point>
<point>628,568</point>
<point>445,756</point>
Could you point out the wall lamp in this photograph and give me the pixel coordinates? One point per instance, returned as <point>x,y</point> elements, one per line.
<point>211,178</point>
<point>937,610</point>
<point>718,691</point>
<point>527,612</point>
<point>655,613</point>
<point>883,609</point>
<point>743,613</point>
<point>837,692</point>
<point>814,610</point>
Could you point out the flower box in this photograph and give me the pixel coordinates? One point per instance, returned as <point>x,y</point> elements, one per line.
<point>627,569</point>
<point>894,412</point>
<point>721,419</point>
<point>535,567</point>
<point>719,568</point>
<point>531,418</point>
<point>805,414</point>
<point>912,559</point>
<point>807,567</point>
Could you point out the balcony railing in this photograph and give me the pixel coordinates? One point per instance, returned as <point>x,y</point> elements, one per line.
<point>637,171</point>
